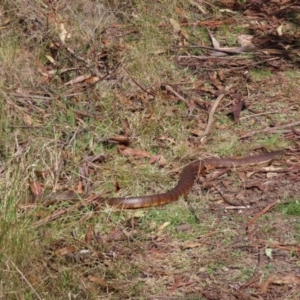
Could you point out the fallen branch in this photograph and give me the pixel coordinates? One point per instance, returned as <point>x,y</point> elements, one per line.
<point>142,88</point>
<point>168,88</point>
<point>257,216</point>
<point>269,129</point>
<point>211,117</point>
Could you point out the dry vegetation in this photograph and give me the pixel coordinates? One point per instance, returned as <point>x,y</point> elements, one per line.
<point>113,97</point>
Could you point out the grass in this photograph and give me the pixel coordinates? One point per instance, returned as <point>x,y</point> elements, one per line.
<point>50,131</point>
<point>292,208</point>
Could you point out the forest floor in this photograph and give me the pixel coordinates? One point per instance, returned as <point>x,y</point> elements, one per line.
<point>113,98</point>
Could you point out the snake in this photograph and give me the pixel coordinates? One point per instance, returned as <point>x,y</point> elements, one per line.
<point>184,184</point>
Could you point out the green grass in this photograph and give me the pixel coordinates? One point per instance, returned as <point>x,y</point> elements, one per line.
<point>260,74</point>
<point>292,208</point>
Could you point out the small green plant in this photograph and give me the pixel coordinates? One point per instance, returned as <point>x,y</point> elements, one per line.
<point>292,208</point>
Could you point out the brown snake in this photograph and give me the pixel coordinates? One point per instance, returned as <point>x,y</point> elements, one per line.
<point>184,185</point>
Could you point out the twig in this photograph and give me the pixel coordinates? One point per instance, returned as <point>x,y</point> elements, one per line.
<point>259,114</point>
<point>257,216</point>
<point>26,126</point>
<point>143,89</point>
<point>170,89</point>
<point>30,96</point>
<point>220,58</point>
<point>24,278</point>
<point>61,212</point>
<point>268,129</point>
<point>209,23</point>
<point>236,50</point>
<point>225,198</point>
<point>236,207</point>
<point>211,117</point>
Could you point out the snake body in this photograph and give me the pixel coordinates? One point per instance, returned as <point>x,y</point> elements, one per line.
<point>185,183</point>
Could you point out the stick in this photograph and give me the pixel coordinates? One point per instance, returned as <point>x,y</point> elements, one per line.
<point>142,88</point>
<point>24,278</point>
<point>61,212</point>
<point>250,223</point>
<point>211,117</point>
<point>268,129</point>
<point>176,94</point>
<point>259,114</point>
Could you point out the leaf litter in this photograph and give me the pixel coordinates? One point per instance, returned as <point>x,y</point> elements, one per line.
<point>129,257</point>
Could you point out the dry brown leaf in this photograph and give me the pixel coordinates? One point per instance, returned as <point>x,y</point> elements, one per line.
<point>99,280</point>
<point>159,159</point>
<point>236,109</point>
<point>280,30</point>
<point>183,227</point>
<point>89,235</point>
<point>163,226</point>
<point>165,138</point>
<point>132,152</point>
<point>42,174</point>
<point>78,79</point>
<point>197,132</point>
<point>115,235</point>
<point>245,41</point>
<point>191,245</point>
<point>65,250</point>
<point>64,34</point>
<point>288,279</point>
<point>36,188</point>
<point>200,7</point>
<point>79,188</point>
<point>27,119</point>
<point>51,59</point>
<point>121,139</point>
<point>92,79</point>
<point>176,26</point>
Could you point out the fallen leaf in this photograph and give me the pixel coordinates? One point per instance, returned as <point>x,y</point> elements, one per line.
<point>121,139</point>
<point>176,26</point>
<point>79,188</point>
<point>280,30</point>
<point>51,59</point>
<point>43,174</point>
<point>64,34</point>
<point>35,188</point>
<point>27,119</point>
<point>159,159</point>
<point>163,226</point>
<point>197,132</point>
<point>92,79</point>
<point>190,245</point>
<point>115,235</point>
<point>200,7</point>
<point>89,235</point>
<point>237,106</point>
<point>268,252</point>
<point>183,227</point>
<point>78,79</point>
<point>132,152</point>
<point>289,279</point>
<point>65,250</point>
<point>245,41</point>
<point>99,280</point>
